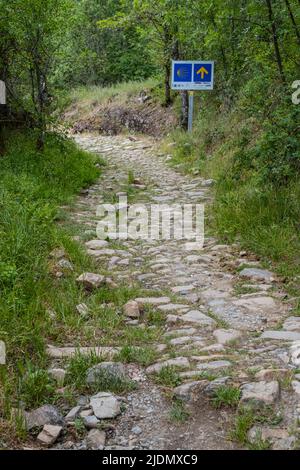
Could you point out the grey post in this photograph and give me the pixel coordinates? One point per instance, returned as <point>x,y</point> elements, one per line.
<point>191,111</point>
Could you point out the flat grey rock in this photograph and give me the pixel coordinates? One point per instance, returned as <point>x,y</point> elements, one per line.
<point>96,439</point>
<point>180,362</point>
<point>194,316</point>
<point>258,274</point>
<point>105,405</point>
<point>281,335</point>
<point>46,414</point>
<point>260,393</point>
<point>214,365</point>
<point>190,391</point>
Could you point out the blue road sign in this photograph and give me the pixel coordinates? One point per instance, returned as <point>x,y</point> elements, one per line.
<point>192,75</point>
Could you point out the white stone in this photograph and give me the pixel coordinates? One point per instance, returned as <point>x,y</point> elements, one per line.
<point>91,422</point>
<point>173,308</point>
<point>69,351</point>
<point>105,405</point>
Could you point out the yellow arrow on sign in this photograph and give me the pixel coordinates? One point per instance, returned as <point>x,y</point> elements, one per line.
<point>202,71</point>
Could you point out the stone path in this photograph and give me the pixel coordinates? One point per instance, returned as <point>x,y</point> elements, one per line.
<point>224,316</point>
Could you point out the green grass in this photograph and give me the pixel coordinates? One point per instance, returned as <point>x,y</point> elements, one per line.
<point>142,355</point>
<point>226,396</point>
<point>77,369</point>
<point>36,387</point>
<point>168,376</point>
<point>77,373</point>
<point>33,186</point>
<point>178,412</point>
<point>246,418</point>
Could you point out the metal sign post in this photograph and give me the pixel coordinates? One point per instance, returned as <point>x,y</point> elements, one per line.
<point>191,111</point>
<point>192,76</point>
<point>2,93</point>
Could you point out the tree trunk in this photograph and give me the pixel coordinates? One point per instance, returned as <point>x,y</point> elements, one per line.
<point>275,41</point>
<point>295,26</point>
<point>168,100</point>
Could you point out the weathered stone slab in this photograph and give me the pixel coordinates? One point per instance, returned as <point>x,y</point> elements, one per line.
<point>281,335</point>
<point>46,414</point>
<point>260,393</point>
<point>100,351</point>
<point>180,362</point>
<point>258,274</point>
<point>190,391</point>
<point>214,365</point>
<point>152,300</point>
<point>96,244</point>
<point>194,316</point>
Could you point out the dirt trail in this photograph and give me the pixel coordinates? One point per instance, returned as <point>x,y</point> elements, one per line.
<point>220,322</point>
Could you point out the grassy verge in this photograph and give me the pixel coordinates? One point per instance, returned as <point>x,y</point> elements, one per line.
<point>33,186</point>
<point>255,165</point>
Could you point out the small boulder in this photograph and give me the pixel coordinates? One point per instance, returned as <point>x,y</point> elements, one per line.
<point>214,385</point>
<point>91,281</point>
<point>190,391</point>
<point>96,244</point>
<point>131,309</point>
<point>96,439</point>
<point>105,405</point>
<point>91,422</point>
<point>73,414</point>
<point>49,434</point>
<point>258,274</point>
<point>46,414</point>
<point>260,393</point>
